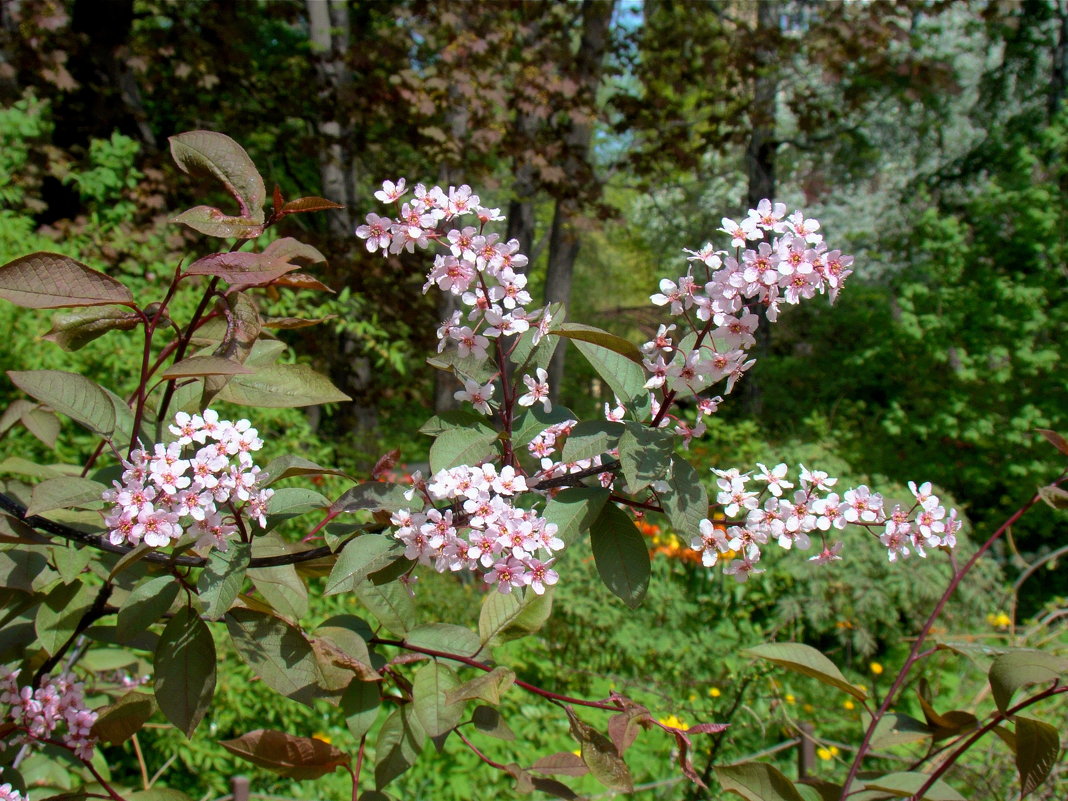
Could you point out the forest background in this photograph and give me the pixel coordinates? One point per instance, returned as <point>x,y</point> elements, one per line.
<point>931,138</point>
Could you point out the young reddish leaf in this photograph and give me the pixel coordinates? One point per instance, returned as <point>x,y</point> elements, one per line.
<point>385,464</point>
<point>287,755</point>
<point>121,720</point>
<point>1038,745</point>
<point>53,281</point>
<point>805,659</point>
<point>302,204</point>
<point>290,323</point>
<point>277,200</point>
<point>756,781</point>
<point>562,764</point>
<point>600,755</point>
<point>74,330</point>
<point>241,268</point>
<point>204,365</point>
<point>184,668</point>
<point>1054,439</point>
<point>289,249</point>
<point>624,727</point>
<point>211,221</point>
<point>217,155</point>
<point>621,555</point>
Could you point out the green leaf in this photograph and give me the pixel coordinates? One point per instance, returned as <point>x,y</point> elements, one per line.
<point>489,721</point>
<point>277,652</point>
<point>52,281</point>
<point>1009,672</point>
<point>283,589</point>
<point>645,455</point>
<point>686,500</point>
<point>147,603</point>
<point>43,424</point>
<point>898,729</point>
<point>19,568</point>
<point>621,555</point>
<point>64,493</point>
<point>473,367</point>
<point>343,640</point>
<point>207,153</point>
<point>527,356</point>
<point>905,784</point>
<point>204,365</point>
<point>211,221</point>
<point>221,580</point>
<point>756,781</point>
<point>289,465</point>
<point>562,764</point>
<point>282,386</point>
<point>375,495</point>
<point>400,741</point>
<point>61,612</point>
<point>74,330</point>
<point>602,339</point>
<point>118,722</point>
<point>294,501</point>
<point>445,637</point>
<point>157,794</point>
<point>1038,745</point>
<point>461,446</point>
<point>242,268</point>
<point>626,378</point>
<point>287,755</point>
<point>430,690</point>
<point>70,560</point>
<point>805,659</point>
<point>508,616</point>
<point>390,603</point>
<point>361,556</point>
<point>73,395</point>
<point>184,670</point>
<point>591,438</point>
<point>535,420</point>
<point>463,419</point>
<point>573,510</point>
<point>600,755</point>
<point>488,687</point>
<point>359,705</point>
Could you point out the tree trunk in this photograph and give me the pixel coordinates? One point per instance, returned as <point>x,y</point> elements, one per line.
<point>1059,78</point>
<point>564,240</point>
<point>760,165</point>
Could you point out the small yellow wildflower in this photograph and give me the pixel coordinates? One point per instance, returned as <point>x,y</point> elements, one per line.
<point>849,704</point>
<point>824,753</point>
<point>714,692</point>
<point>809,708</point>
<point>999,620</point>
<point>324,737</point>
<point>790,699</point>
<point>876,668</point>
<point>693,697</point>
<point>674,722</point>
<point>726,556</point>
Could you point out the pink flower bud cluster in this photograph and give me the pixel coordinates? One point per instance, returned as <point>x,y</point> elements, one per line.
<point>483,271</point>
<point>163,495</point>
<point>38,713</point>
<point>771,515</point>
<point>792,265</point>
<point>482,531</point>
<point>9,793</point>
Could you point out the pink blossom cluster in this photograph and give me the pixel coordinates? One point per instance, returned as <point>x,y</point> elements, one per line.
<point>170,490</point>
<point>9,793</point>
<point>38,713</point>
<point>483,271</point>
<point>717,303</point>
<point>482,531</point>
<point>771,513</point>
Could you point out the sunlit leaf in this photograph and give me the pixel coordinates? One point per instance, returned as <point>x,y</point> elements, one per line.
<point>286,754</point>
<point>118,722</point>
<point>184,670</point>
<point>71,394</point>
<point>1009,672</point>
<point>1038,744</point>
<point>757,781</point>
<point>807,660</point>
<point>52,281</point>
<point>207,153</point>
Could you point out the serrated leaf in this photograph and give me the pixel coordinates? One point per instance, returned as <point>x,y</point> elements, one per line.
<point>400,741</point>
<point>74,330</point>
<point>535,420</point>
<point>53,281</point>
<point>602,339</point>
<point>61,612</point>
<point>359,705</point>
<point>686,500</point>
<point>204,365</point>
<point>118,722</point>
<point>282,386</point>
<point>600,755</point>
<point>430,689</point>
<point>623,376</point>
<point>457,447</point>
<point>71,394</point>
<point>591,438</point>
<point>221,580</point>
<point>1009,672</point>
<point>361,557</point>
<point>289,465</point>
<point>207,153</point>
<point>645,455</point>
<point>147,603</point>
<point>508,616</point>
<point>242,268</point>
<point>446,637</point>
<point>756,781</point>
<point>286,754</point>
<point>488,687</point>
<point>64,493</point>
<point>573,510</point>
<point>276,652</point>
<point>805,659</point>
<point>1038,744</point>
<point>906,784</point>
<point>390,604</point>
<point>184,670</point>
<point>311,203</point>
<point>621,555</point>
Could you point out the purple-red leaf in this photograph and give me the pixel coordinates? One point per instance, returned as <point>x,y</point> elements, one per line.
<point>302,281</point>
<point>245,269</point>
<point>53,281</point>
<point>204,365</point>
<point>287,755</point>
<point>302,204</point>
<point>211,221</point>
<point>562,764</point>
<point>217,155</point>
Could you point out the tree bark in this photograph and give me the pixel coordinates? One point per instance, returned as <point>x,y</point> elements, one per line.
<point>564,240</point>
